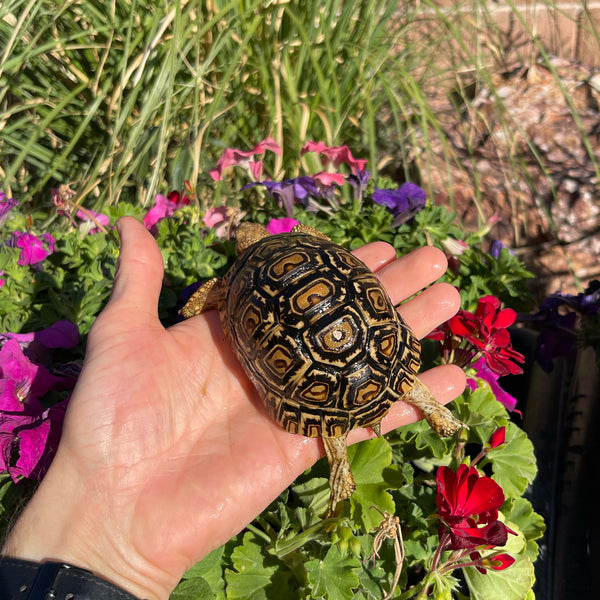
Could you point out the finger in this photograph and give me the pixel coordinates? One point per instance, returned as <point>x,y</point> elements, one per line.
<point>430,308</point>
<point>411,273</point>
<point>139,274</point>
<point>376,255</point>
<point>445,383</point>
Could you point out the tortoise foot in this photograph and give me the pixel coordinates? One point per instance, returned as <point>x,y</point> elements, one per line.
<point>341,480</point>
<point>440,419</point>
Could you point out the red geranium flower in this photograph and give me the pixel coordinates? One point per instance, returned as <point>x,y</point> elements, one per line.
<point>468,506</point>
<point>466,336</point>
<point>486,331</point>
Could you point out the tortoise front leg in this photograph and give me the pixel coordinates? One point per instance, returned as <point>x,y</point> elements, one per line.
<point>440,419</point>
<point>341,480</point>
<point>208,296</point>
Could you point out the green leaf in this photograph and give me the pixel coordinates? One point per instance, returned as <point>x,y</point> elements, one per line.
<point>482,412</point>
<point>514,463</point>
<point>531,524</point>
<point>313,494</point>
<point>196,588</point>
<point>369,460</point>
<point>256,574</point>
<point>513,583</point>
<point>210,570</point>
<point>334,577</point>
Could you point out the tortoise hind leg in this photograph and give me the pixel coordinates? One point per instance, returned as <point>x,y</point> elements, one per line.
<point>341,480</point>
<point>208,296</point>
<point>440,419</point>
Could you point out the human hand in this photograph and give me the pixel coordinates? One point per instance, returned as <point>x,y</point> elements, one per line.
<point>167,450</point>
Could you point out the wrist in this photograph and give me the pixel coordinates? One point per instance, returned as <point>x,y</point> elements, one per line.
<point>66,521</point>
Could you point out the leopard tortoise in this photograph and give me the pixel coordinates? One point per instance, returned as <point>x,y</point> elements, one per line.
<point>320,339</point>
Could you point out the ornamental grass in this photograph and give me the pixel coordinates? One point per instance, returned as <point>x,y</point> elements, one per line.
<point>193,116</point>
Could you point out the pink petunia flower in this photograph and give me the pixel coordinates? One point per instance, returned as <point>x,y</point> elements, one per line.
<point>164,206</point>
<point>99,219</point>
<point>38,345</point>
<point>336,155</point>
<point>233,157</point>
<point>328,179</point>
<point>33,249</point>
<point>223,219</point>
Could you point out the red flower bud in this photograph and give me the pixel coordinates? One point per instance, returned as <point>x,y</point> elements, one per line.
<point>497,438</point>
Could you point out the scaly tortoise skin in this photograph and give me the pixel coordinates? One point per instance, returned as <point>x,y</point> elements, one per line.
<point>320,339</point>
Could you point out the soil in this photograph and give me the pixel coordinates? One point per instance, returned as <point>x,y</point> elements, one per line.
<point>531,141</point>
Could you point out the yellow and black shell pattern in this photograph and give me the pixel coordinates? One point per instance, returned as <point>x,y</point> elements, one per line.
<point>317,334</point>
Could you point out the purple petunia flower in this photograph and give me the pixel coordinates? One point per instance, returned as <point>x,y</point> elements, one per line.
<point>359,181</point>
<point>404,202</point>
<point>33,249</point>
<point>290,190</point>
<point>5,205</point>
<point>586,302</point>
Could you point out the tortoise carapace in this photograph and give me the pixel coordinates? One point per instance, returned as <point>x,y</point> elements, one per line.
<point>320,339</point>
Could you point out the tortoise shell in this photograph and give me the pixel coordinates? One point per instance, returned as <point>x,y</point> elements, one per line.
<point>317,334</point>
<point>319,337</point>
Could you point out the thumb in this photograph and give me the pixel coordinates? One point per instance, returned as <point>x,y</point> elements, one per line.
<point>139,274</point>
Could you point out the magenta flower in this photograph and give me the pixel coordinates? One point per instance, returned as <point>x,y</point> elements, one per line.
<point>38,344</point>
<point>233,157</point>
<point>164,206</point>
<point>33,249</point>
<point>87,215</point>
<point>23,382</point>
<point>29,434</point>
<point>336,155</point>
<point>484,372</point>
<point>284,225</point>
<point>2,281</point>
<point>17,374</point>
<point>5,205</point>
<point>28,443</point>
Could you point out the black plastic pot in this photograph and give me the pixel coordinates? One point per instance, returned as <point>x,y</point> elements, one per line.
<point>561,415</point>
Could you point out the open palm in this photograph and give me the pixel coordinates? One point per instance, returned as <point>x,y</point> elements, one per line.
<point>167,451</point>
